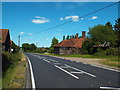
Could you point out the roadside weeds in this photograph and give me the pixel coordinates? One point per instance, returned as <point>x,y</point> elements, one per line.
<point>17,75</point>
<point>111,62</point>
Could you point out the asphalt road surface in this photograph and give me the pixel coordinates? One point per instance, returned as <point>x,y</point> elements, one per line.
<point>52,72</point>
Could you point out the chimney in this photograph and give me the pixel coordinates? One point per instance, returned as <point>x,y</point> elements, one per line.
<point>76,35</point>
<point>83,34</point>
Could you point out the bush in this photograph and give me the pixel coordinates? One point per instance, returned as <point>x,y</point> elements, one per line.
<point>110,51</point>
<point>9,60</point>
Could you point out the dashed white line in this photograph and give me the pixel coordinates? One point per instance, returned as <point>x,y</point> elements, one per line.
<point>57,63</point>
<point>47,61</point>
<point>32,76</point>
<point>64,67</point>
<point>81,71</point>
<point>77,72</point>
<point>67,72</point>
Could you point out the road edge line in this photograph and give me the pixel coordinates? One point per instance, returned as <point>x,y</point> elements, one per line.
<point>31,72</point>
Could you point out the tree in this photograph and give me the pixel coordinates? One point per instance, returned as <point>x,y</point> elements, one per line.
<point>54,42</point>
<point>87,47</point>
<point>117,30</point>
<point>25,46</point>
<point>33,46</point>
<point>15,47</point>
<point>109,25</point>
<point>64,37</point>
<point>68,37</point>
<point>101,33</point>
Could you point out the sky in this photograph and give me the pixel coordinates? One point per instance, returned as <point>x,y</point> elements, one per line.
<point>31,19</point>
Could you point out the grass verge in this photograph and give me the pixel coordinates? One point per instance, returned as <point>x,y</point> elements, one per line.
<point>15,76</point>
<point>106,60</point>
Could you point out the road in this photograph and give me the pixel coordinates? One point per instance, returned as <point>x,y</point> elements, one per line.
<point>52,72</point>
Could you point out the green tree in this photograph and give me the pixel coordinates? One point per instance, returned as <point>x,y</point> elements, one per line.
<point>117,30</point>
<point>64,37</point>
<point>68,37</point>
<point>15,47</point>
<point>25,46</point>
<point>101,33</point>
<point>33,46</point>
<point>87,47</point>
<point>54,42</point>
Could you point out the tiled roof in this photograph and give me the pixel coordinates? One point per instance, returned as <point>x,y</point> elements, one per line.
<point>3,35</point>
<point>77,43</point>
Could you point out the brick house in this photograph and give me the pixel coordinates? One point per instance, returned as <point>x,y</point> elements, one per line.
<point>5,39</point>
<point>70,46</point>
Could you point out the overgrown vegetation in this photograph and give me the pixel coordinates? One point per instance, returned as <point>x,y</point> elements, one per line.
<point>54,42</point>
<point>8,64</point>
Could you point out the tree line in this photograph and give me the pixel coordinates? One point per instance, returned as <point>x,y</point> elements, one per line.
<point>29,47</point>
<point>100,34</point>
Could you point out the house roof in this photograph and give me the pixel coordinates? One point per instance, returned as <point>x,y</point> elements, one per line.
<point>3,35</point>
<point>77,43</point>
<point>105,44</point>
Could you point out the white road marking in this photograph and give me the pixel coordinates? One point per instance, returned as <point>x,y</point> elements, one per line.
<point>47,61</point>
<point>77,72</point>
<point>32,76</point>
<point>57,63</point>
<point>64,67</point>
<point>81,71</point>
<point>105,68</point>
<point>53,60</point>
<point>67,72</point>
<point>110,88</point>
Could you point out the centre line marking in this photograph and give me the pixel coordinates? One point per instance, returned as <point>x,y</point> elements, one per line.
<point>56,63</point>
<point>77,72</point>
<point>47,61</point>
<point>81,71</point>
<point>64,67</point>
<point>67,72</point>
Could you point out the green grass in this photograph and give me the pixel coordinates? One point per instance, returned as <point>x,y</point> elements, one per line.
<point>106,59</point>
<point>8,74</point>
<point>0,83</point>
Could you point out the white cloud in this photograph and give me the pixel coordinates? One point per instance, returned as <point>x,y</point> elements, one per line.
<point>74,18</point>
<point>61,18</point>
<point>40,20</point>
<point>94,17</point>
<point>30,34</point>
<point>21,33</point>
<point>81,18</point>
<point>59,34</point>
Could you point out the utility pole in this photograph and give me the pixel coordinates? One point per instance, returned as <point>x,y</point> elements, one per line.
<point>19,40</point>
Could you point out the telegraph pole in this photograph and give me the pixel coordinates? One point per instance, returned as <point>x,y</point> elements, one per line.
<point>19,40</point>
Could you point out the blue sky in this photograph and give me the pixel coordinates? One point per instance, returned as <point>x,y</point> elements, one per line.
<point>28,19</point>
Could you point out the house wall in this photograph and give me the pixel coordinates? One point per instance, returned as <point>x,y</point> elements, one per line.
<point>69,50</point>
<point>56,50</point>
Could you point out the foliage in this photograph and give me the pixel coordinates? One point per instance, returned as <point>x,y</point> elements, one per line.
<point>28,47</point>
<point>87,47</point>
<point>54,42</point>
<point>9,60</point>
<point>15,47</point>
<point>64,37</point>
<point>109,52</point>
<point>101,33</point>
<point>68,37</point>
<point>117,29</point>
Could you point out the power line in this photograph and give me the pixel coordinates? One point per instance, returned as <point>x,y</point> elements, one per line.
<point>78,18</point>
